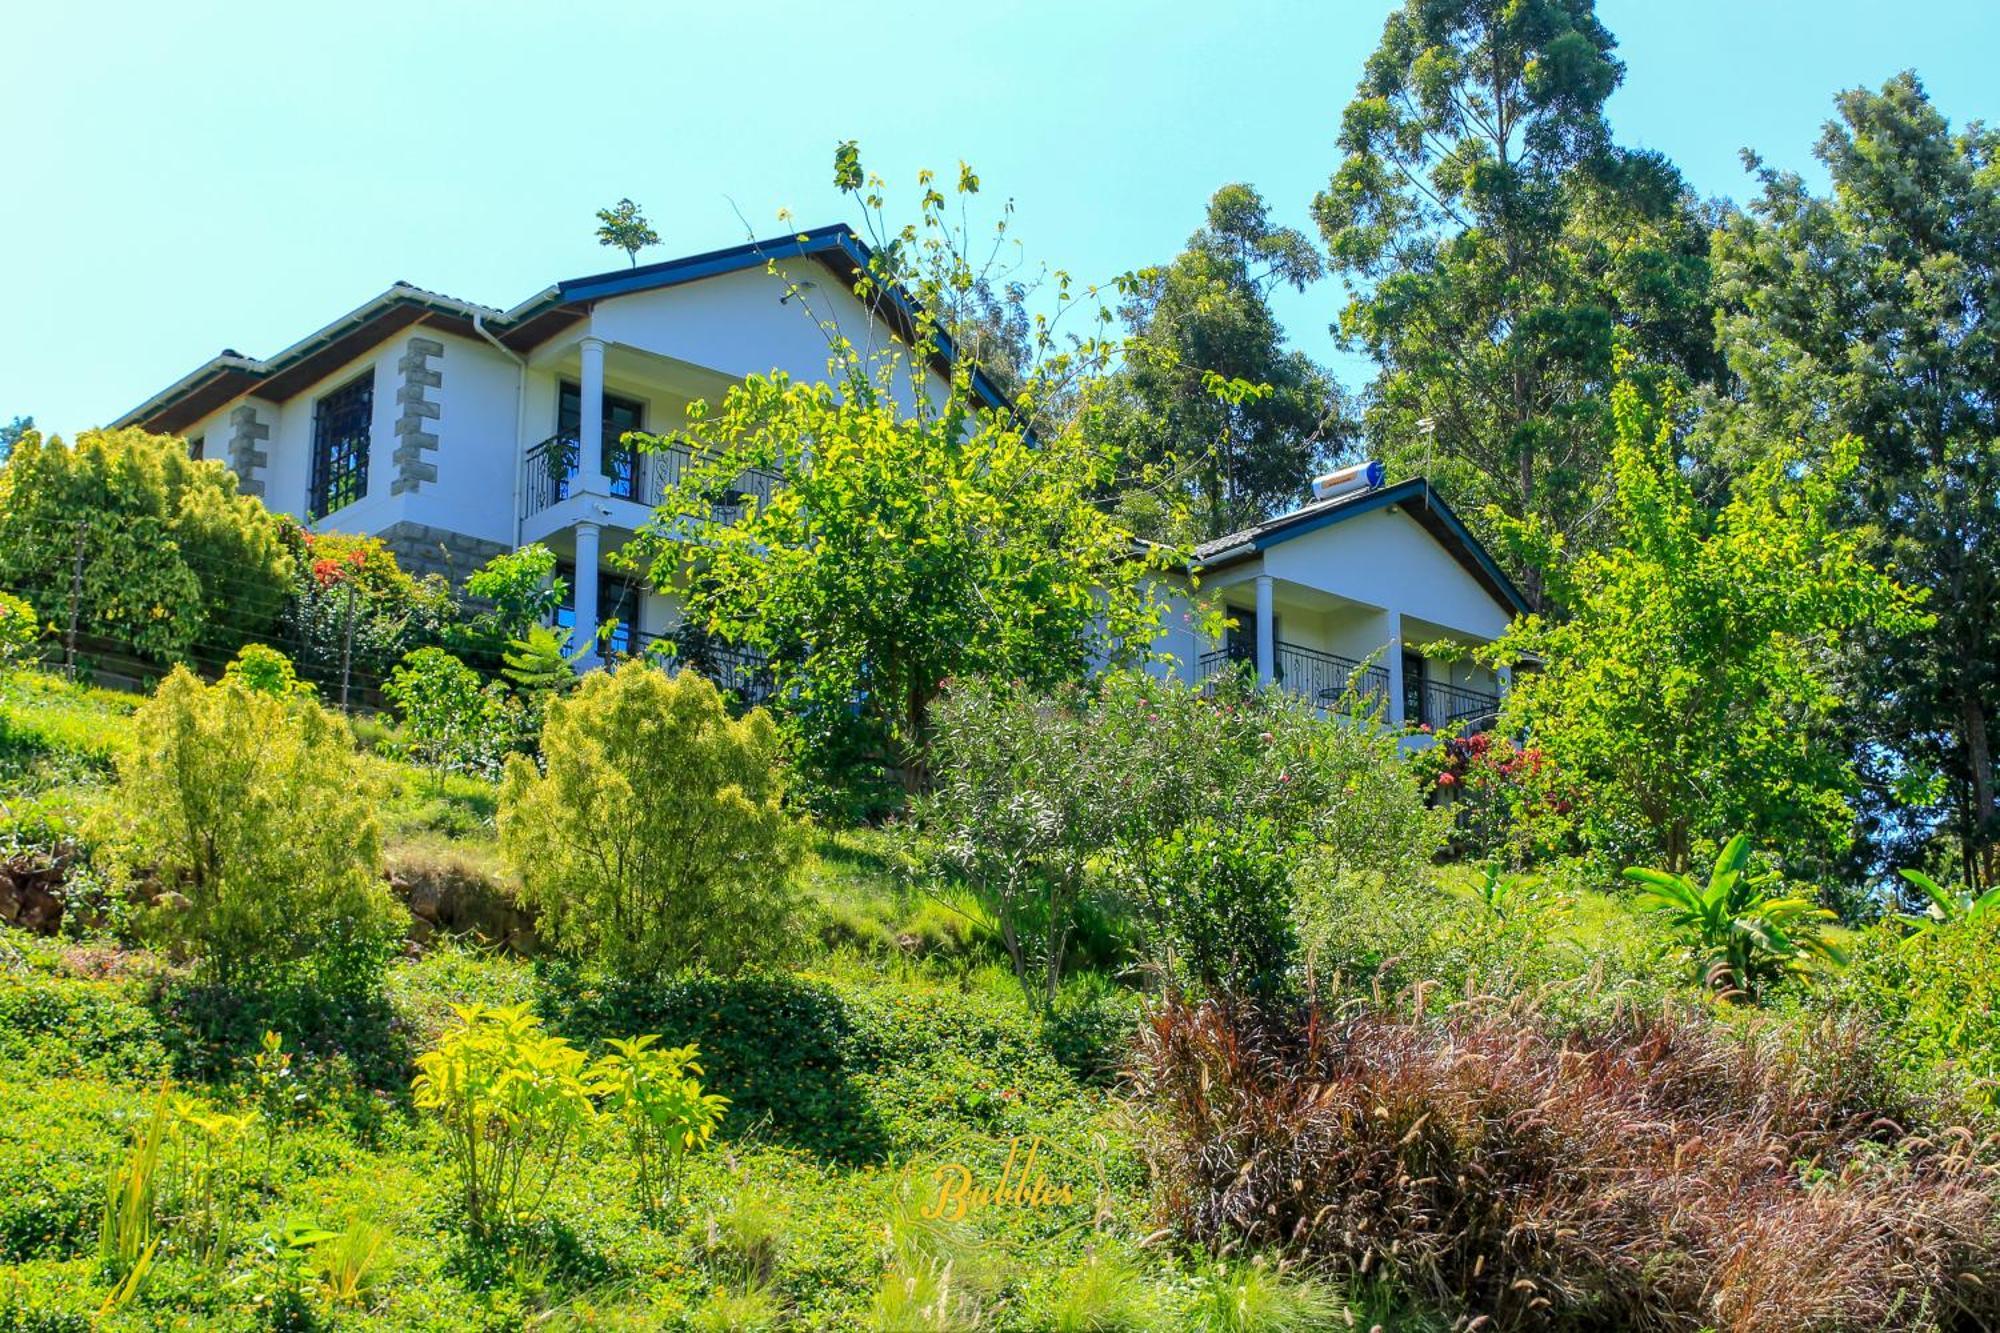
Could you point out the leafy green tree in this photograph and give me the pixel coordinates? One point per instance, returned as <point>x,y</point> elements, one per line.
<point>653,838</point>
<point>1689,692</point>
<point>254,817</point>
<point>623,227</point>
<point>172,558</point>
<point>453,720</point>
<point>521,589</point>
<point>1226,459</point>
<point>11,433</point>
<point>1870,313</point>
<point>898,551</point>
<point>1499,248</point>
<point>1741,935</point>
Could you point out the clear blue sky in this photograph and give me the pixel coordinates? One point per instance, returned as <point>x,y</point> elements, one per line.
<point>180,178</point>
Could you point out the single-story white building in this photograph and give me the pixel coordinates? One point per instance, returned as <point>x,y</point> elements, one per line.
<point>456,431</point>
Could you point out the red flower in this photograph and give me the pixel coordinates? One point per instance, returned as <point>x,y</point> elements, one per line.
<point>1447,780</point>
<point>326,573</point>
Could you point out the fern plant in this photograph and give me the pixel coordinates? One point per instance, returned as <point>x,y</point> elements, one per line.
<point>1741,935</point>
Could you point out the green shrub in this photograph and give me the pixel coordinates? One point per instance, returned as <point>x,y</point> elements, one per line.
<point>654,839</point>
<point>513,1102</point>
<point>20,630</point>
<point>1740,935</point>
<point>1933,997</point>
<point>656,1099</point>
<point>265,670</point>
<point>1017,815</point>
<point>453,720</point>
<point>173,556</point>
<point>253,817</point>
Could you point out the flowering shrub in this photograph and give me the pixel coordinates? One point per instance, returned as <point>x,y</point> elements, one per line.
<point>1505,799</point>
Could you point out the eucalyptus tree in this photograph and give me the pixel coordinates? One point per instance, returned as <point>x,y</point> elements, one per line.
<point>1500,251</point>
<point>1867,313</point>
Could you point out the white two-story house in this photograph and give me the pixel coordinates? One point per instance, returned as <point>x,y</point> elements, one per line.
<point>456,431</point>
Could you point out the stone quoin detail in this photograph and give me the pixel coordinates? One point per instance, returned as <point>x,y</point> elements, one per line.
<point>246,435</point>
<point>413,434</point>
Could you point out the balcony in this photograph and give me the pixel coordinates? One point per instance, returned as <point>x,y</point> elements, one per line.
<point>1324,678</point>
<point>1445,705</point>
<point>738,671</point>
<point>640,478</point>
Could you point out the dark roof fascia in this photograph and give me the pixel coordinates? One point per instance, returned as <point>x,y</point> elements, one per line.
<point>1420,502</point>
<point>539,317</point>
<point>822,243</point>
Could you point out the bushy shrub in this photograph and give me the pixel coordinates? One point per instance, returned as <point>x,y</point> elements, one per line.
<point>521,590</point>
<point>453,721</point>
<point>513,1101</point>
<point>1644,1172</point>
<point>173,557</point>
<point>20,630</point>
<point>265,670</point>
<point>1017,813</point>
<point>654,1095</point>
<point>654,839</point>
<point>250,819</point>
<point>1933,996</point>
<point>1203,809</point>
<point>353,601</point>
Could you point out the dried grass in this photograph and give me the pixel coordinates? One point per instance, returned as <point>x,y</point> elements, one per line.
<point>1650,1172</point>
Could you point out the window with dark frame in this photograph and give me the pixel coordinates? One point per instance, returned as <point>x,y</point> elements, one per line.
<point>620,415</point>
<point>341,424</point>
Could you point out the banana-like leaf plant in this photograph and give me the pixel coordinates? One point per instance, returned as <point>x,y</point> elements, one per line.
<point>1740,934</point>
<point>1949,907</point>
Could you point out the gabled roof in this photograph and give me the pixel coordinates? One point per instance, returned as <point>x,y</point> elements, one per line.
<point>526,325</point>
<point>1416,499</point>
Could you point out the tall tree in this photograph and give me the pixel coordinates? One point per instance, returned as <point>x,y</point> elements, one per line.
<point>11,433</point>
<point>1499,249</point>
<point>1222,422</point>
<point>1868,313</point>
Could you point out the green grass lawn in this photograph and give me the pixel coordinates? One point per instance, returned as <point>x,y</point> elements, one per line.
<point>896,1053</point>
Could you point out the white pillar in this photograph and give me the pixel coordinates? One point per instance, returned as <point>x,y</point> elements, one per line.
<point>1394,662</point>
<point>1267,633</point>
<point>585,595</point>
<point>590,424</point>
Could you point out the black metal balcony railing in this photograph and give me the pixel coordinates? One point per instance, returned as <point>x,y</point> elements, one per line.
<point>630,475</point>
<point>1451,705</point>
<point>552,472</point>
<point>740,671</point>
<point>1321,677</point>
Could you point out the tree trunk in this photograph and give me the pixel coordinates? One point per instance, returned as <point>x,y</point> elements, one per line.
<point>1981,851</point>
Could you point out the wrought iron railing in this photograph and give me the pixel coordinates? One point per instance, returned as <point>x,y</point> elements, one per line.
<point>552,469</point>
<point>740,671</point>
<point>666,467</point>
<point>1327,678</point>
<point>1322,677</point>
<point>1447,705</point>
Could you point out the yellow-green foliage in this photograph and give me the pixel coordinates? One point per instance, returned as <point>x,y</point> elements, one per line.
<point>19,629</point>
<point>656,840</point>
<point>513,1102</point>
<point>253,816</point>
<point>170,549</point>
<point>655,1095</point>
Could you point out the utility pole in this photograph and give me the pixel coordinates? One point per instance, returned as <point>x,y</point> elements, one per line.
<point>75,605</point>
<point>346,645</point>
